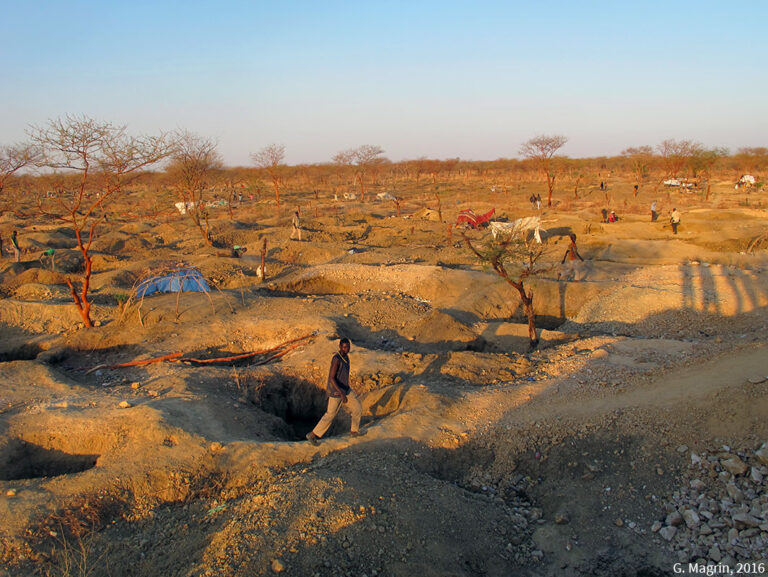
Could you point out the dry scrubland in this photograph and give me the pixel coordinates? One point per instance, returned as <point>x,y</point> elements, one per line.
<point>630,440</point>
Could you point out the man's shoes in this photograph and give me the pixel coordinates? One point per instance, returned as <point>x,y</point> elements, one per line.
<point>312,438</point>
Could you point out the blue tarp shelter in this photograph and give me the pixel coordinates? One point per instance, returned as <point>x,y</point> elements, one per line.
<point>179,280</point>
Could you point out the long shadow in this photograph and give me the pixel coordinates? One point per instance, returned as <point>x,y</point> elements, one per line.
<point>391,340</point>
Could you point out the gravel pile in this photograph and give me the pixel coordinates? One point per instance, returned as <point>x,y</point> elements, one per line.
<point>721,516</point>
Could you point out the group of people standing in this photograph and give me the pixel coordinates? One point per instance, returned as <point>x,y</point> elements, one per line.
<point>674,216</point>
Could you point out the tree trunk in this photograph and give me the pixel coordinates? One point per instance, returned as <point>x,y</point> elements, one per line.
<point>527,300</point>
<point>276,184</point>
<point>529,312</point>
<point>263,259</point>
<point>550,187</point>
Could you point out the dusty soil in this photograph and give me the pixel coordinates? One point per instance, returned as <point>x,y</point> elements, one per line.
<point>480,457</point>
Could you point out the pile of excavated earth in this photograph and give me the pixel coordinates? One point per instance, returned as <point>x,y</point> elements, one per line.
<point>634,437</point>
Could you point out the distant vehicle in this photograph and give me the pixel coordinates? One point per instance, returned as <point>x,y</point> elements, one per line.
<point>468,218</point>
<point>682,183</point>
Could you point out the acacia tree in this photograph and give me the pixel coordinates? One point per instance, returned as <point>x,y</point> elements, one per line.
<point>703,161</point>
<point>675,155</point>
<point>271,158</point>
<point>14,158</point>
<point>640,159</point>
<point>194,163</point>
<point>526,258</point>
<point>541,149</point>
<point>363,158</point>
<point>104,159</point>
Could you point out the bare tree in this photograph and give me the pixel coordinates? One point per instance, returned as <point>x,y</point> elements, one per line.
<point>675,156</point>
<point>271,158</point>
<point>14,158</point>
<point>640,159</point>
<point>541,149</point>
<point>526,258</point>
<point>363,158</point>
<point>194,164</point>
<point>703,161</point>
<point>105,159</point>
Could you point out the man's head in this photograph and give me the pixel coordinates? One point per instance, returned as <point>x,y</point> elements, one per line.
<point>572,237</point>
<point>344,345</point>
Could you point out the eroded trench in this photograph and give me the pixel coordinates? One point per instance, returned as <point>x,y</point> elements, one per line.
<point>20,459</point>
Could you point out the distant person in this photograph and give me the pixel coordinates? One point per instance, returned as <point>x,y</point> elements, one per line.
<point>296,225</point>
<point>15,246</point>
<point>604,212</point>
<point>339,392</point>
<point>654,214</point>
<point>637,188</point>
<point>602,185</point>
<point>532,200</point>
<point>612,217</point>
<point>573,257</point>
<point>674,220</point>
<point>538,202</point>
<point>49,258</point>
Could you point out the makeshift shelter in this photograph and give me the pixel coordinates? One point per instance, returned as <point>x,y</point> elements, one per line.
<point>468,218</point>
<point>187,279</point>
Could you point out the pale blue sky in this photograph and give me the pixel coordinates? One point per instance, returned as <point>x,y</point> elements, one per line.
<point>440,79</point>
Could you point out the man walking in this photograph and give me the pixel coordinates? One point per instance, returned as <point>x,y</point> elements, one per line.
<point>674,220</point>
<point>339,392</point>
<point>296,224</point>
<point>571,255</point>
<point>15,246</point>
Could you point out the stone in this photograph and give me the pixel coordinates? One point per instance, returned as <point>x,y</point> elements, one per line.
<point>762,454</point>
<point>698,484</point>
<point>714,553</point>
<point>656,527</point>
<point>733,534</point>
<point>695,459</point>
<point>705,529</point>
<point>691,518</point>
<point>562,518</point>
<point>744,521</point>
<point>278,566</point>
<point>674,519</point>
<point>756,380</point>
<point>734,493</point>
<point>10,493</point>
<point>755,475</point>
<point>619,522</point>
<point>124,405</point>
<point>668,532</point>
<point>135,385</point>
<point>734,465</point>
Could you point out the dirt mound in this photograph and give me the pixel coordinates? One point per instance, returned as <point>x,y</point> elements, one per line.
<point>479,456</point>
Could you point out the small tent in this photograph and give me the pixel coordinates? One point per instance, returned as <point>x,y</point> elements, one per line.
<point>177,280</point>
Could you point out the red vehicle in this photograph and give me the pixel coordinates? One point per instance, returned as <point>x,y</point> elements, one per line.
<point>469,218</point>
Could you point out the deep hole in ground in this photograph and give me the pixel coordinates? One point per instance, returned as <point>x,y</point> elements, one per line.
<point>23,352</point>
<point>23,460</point>
<point>297,403</point>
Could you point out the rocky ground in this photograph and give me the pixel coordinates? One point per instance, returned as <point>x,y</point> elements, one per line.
<point>632,439</point>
